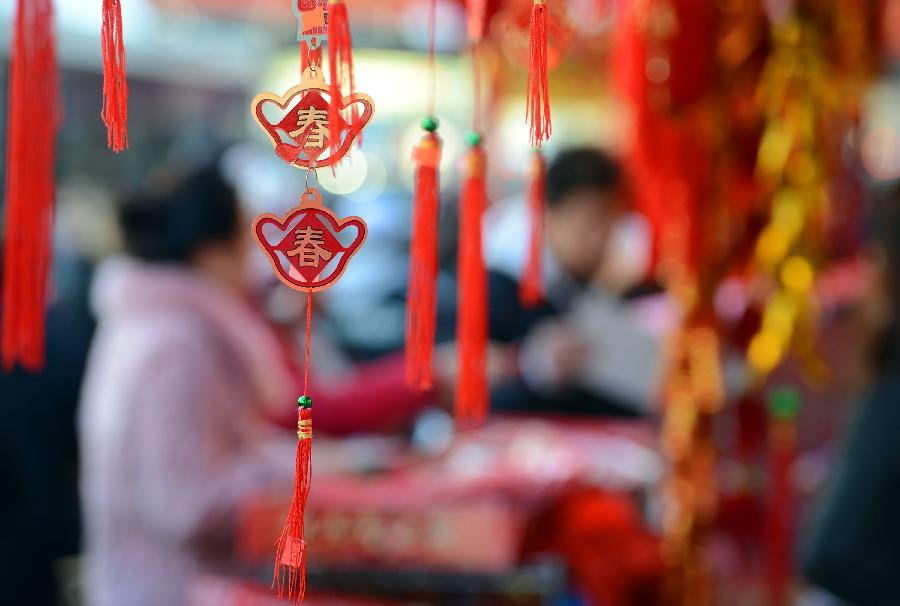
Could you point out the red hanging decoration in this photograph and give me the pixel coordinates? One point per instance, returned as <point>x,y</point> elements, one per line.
<point>115,82</point>
<point>423,261</point>
<point>309,247</point>
<point>31,155</point>
<point>531,288</point>
<point>537,110</point>
<point>340,66</point>
<point>472,397</point>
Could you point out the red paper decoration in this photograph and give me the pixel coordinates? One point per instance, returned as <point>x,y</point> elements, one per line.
<point>300,123</point>
<point>305,246</point>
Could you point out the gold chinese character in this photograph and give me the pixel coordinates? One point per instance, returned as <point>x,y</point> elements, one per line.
<point>308,245</point>
<point>318,134</point>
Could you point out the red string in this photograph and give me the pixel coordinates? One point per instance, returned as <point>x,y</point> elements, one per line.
<point>432,77</point>
<point>476,88</point>
<point>308,340</point>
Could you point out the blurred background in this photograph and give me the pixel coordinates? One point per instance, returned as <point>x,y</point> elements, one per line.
<point>701,411</point>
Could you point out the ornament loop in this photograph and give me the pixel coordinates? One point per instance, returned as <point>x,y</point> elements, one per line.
<point>315,186</point>
<point>311,197</point>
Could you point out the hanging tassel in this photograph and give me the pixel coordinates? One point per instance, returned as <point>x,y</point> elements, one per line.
<point>33,119</point>
<point>423,261</point>
<point>115,83</point>
<point>290,565</point>
<point>340,65</point>
<point>471,333</point>
<point>531,288</point>
<point>290,549</point>
<point>537,110</point>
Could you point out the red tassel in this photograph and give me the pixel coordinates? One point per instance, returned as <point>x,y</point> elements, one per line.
<point>115,83</point>
<point>471,333</point>
<point>31,155</point>
<point>290,549</point>
<point>423,265</point>
<point>340,65</point>
<point>531,288</point>
<point>537,110</point>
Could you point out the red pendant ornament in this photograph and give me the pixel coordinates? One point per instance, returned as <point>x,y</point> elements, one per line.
<point>309,247</point>
<point>299,123</point>
<point>33,119</point>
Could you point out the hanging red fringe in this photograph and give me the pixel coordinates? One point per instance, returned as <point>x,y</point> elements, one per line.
<point>423,264</point>
<point>472,397</point>
<point>290,564</point>
<point>33,119</point>
<point>531,288</point>
<point>115,82</point>
<point>340,65</point>
<point>537,110</point>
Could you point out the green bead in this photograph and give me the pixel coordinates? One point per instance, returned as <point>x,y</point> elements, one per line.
<point>473,138</point>
<point>430,123</point>
<point>784,403</point>
<point>304,402</point>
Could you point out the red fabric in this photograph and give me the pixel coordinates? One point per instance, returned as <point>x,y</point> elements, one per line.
<point>33,119</point>
<point>373,398</point>
<point>340,66</point>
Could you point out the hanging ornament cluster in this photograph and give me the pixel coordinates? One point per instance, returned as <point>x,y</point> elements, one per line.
<point>33,120</point>
<point>312,125</point>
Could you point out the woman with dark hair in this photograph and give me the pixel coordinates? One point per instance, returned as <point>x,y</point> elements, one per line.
<point>182,374</point>
<point>853,550</point>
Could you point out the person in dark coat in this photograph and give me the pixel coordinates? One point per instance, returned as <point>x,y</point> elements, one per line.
<point>585,197</point>
<point>853,547</point>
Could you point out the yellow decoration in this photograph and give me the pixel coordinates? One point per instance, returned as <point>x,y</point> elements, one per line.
<point>765,352</point>
<point>797,275</point>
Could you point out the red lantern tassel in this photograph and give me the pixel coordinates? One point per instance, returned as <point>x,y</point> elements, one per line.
<point>115,83</point>
<point>290,565</point>
<point>531,288</point>
<point>471,331</point>
<point>340,65</point>
<point>537,110</point>
<point>423,262</point>
<point>31,155</point>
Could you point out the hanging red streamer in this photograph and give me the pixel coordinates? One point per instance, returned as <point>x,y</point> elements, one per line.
<point>472,396</point>
<point>290,549</point>
<point>115,82</point>
<point>537,110</point>
<point>531,288</point>
<point>31,155</point>
<point>423,265</point>
<point>340,65</point>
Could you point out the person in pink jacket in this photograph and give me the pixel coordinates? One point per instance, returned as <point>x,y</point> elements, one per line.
<point>181,377</point>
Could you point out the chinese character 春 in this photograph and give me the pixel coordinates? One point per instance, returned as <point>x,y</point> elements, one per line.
<point>308,246</point>
<point>318,118</point>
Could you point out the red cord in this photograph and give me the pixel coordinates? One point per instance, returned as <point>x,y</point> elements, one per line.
<point>308,325</point>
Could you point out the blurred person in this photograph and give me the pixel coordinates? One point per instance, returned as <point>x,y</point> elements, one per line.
<point>585,198</point>
<point>853,546</point>
<point>184,378</point>
<point>39,518</point>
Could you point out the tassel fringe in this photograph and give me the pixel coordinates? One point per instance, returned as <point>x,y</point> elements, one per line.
<point>423,266</point>
<point>537,110</point>
<point>472,397</point>
<point>33,119</point>
<point>289,580</point>
<point>340,65</point>
<point>115,82</point>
